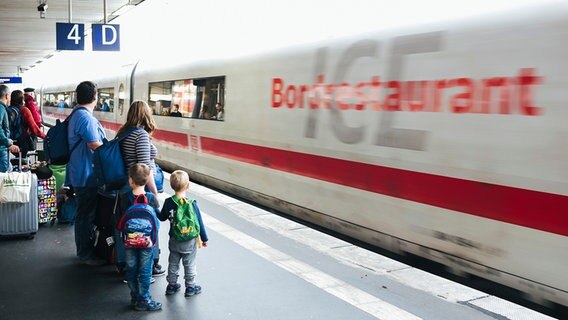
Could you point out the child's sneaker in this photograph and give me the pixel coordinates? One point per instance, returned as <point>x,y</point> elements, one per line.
<point>157,270</point>
<point>172,288</point>
<point>148,306</point>
<point>192,290</point>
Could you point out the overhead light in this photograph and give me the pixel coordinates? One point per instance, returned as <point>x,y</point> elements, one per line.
<point>42,9</point>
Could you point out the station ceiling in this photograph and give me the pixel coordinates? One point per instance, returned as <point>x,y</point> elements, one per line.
<point>26,39</point>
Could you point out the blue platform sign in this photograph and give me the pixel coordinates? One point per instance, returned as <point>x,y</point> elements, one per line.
<point>6,80</point>
<point>106,37</point>
<point>70,36</point>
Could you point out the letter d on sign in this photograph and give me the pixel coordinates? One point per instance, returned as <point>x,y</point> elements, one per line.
<point>112,31</point>
<point>106,37</point>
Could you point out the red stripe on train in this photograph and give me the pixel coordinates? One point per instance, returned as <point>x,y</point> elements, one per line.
<point>164,136</point>
<point>113,126</point>
<point>527,208</point>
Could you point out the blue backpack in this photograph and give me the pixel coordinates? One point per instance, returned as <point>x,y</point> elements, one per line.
<point>16,126</point>
<point>108,165</point>
<point>56,144</point>
<point>138,224</point>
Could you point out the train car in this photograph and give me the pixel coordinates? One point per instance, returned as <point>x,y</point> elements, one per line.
<point>444,140</point>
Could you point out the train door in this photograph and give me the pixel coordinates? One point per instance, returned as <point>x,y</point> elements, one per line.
<point>124,88</point>
<point>121,101</point>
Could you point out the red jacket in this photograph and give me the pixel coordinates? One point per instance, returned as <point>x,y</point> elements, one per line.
<point>32,106</point>
<point>30,126</point>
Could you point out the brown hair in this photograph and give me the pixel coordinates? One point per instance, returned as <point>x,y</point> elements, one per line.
<point>179,180</point>
<point>17,98</point>
<point>139,116</point>
<point>139,173</point>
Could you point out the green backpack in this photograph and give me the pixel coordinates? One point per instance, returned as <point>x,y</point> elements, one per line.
<point>185,224</point>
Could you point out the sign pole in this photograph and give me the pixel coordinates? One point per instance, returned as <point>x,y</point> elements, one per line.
<point>70,10</point>
<point>105,11</point>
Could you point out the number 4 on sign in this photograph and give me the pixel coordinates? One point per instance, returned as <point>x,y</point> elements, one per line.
<point>70,36</point>
<point>74,34</point>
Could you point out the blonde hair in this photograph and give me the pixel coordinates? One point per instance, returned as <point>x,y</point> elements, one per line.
<point>139,115</point>
<point>179,180</point>
<point>139,173</point>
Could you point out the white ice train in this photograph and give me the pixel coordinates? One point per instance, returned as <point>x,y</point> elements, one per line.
<point>447,141</point>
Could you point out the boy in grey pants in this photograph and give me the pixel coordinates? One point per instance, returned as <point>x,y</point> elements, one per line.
<point>187,232</point>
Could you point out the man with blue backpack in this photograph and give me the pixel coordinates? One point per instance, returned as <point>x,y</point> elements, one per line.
<point>85,134</point>
<point>139,228</point>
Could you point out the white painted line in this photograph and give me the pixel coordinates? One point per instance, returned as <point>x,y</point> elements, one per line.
<point>507,309</point>
<point>342,290</point>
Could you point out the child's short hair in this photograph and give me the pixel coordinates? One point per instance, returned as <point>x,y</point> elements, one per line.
<point>139,172</point>
<point>179,180</point>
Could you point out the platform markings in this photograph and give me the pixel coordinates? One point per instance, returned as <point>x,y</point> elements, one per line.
<point>338,288</point>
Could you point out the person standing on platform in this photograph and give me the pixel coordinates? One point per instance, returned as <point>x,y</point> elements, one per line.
<point>30,103</point>
<point>6,144</point>
<point>139,259</point>
<point>29,128</point>
<point>87,131</point>
<point>29,98</point>
<point>137,147</point>
<point>186,231</point>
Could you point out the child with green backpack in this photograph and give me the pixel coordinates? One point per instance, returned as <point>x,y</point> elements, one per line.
<point>186,231</point>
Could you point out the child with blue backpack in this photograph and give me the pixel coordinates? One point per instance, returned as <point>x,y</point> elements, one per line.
<point>139,228</point>
<point>186,232</point>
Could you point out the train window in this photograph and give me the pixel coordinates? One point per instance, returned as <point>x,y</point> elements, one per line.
<point>201,98</point>
<point>160,97</point>
<point>49,100</point>
<point>65,100</point>
<point>106,100</point>
<point>60,99</point>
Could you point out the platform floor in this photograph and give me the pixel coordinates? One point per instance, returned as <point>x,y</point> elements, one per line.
<point>257,266</point>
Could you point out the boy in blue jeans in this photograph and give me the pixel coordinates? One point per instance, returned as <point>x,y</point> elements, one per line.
<point>139,228</point>
<point>185,230</point>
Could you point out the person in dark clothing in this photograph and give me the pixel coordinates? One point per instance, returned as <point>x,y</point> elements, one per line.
<point>176,112</point>
<point>87,133</point>
<point>6,144</point>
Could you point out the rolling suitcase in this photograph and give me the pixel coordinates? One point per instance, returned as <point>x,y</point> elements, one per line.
<point>20,218</point>
<point>47,200</point>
